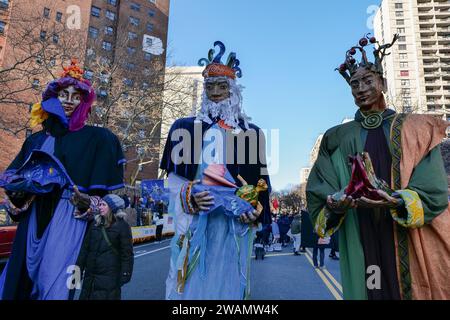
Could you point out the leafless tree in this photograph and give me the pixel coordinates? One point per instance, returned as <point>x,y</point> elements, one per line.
<point>37,47</point>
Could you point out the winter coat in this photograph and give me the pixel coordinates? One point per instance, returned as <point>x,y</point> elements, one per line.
<point>106,271</point>
<point>284,224</point>
<point>296,225</point>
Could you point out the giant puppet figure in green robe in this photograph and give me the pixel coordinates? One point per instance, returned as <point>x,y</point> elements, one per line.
<point>393,245</point>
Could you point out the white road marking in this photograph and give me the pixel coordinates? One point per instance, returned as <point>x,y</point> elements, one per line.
<point>143,254</point>
<point>329,275</point>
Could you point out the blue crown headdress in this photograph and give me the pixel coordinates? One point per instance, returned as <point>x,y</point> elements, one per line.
<point>215,67</point>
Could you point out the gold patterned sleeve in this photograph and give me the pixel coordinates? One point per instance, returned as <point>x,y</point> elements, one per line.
<point>328,222</point>
<point>411,215</point>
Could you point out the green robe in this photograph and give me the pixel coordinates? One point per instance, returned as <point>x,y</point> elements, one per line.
<point>331,174</point>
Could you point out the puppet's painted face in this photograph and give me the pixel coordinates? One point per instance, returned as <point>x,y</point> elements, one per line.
<point>367,89</point>
<point>70,99</point>
<point>218,90</point>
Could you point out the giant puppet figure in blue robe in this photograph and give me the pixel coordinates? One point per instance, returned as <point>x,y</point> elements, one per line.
<point>209,160</point>
<point>66,155</point>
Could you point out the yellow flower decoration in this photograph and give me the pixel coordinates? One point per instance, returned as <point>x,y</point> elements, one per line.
<point>38,115</point>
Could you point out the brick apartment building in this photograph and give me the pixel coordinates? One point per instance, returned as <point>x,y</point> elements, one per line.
<point>90,28</point>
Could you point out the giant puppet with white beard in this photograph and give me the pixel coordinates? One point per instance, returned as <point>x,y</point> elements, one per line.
<point>213,161</point>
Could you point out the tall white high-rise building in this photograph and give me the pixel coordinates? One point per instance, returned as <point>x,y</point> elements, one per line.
<point>418,70</point>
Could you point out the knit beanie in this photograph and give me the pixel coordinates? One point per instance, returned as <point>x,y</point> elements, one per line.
<point>115,203</point>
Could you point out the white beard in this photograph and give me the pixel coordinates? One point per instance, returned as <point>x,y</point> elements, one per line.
<point>228,110</point>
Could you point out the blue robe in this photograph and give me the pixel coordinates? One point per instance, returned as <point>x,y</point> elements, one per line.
<point>219,245</point>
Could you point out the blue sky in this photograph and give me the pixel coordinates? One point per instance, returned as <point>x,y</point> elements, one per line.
<point>288,51</point>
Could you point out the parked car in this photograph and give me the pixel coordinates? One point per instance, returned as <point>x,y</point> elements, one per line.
<point>7,234</point>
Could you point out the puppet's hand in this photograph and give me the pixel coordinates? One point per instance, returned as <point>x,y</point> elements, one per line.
<point>342,205</point>
<point>203,201</point>
<point>252,216</point>
<point>386,202</point>
<point>81,201</point>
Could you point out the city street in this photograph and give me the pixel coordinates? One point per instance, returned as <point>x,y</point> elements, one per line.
<point>280,276</point>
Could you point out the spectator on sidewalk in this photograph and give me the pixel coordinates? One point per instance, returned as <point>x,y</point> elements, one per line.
<point>139,211</point>
<point>158,220</point>
<point>106,256</point>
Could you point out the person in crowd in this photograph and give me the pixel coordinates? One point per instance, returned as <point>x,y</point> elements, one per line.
<point>158,220</point>
<point>296,228</point>
<point>319,250</point>
<point>106,256</point>
<point>334,246</point>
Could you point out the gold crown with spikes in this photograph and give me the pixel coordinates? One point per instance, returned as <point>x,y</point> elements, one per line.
<point>73,71</point>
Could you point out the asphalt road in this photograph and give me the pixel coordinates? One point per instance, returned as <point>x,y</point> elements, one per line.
<point>279,276</point>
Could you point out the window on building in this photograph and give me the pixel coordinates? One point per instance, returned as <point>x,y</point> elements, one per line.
<point>111,15</point>
<point>405,83</point>
<point>130,66</point>
<point>93,32</point>
<point>402,39</point>
<point>128,82</point>
<point>109,30</point>
<point>399,13</point>
<point>102,93</point>
<point>401,30</point>
<point>406,91</point>
<point>407,109</point>
<point>43,35</point>
<point>55,38</point>
<point>88,74</point>
<point>90,53</point>
<point>95,11</point>
<point>131,50</point>
<point>404,73</point>
<point>142,134</point>
<point>151,13</point>
<point>107,45</point>
<point>105,61</point>
<point>59,16</point>
<point>2,27</point>
<point>403,64</point>
<point>134,21</point>
<point>112,2</point>
<point>400,22</point>
<point>4,4</point>
<point>147,56</point>
<point>135,6</point>
<point>152,1</point>
<point>399,6</point>
<point>403,56</point>
<point>47,12</point>
<point>35,83</point>
<point>402,47</point>
<point>150,27</point>
<point>104,77</point>
<point>132,35</point>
